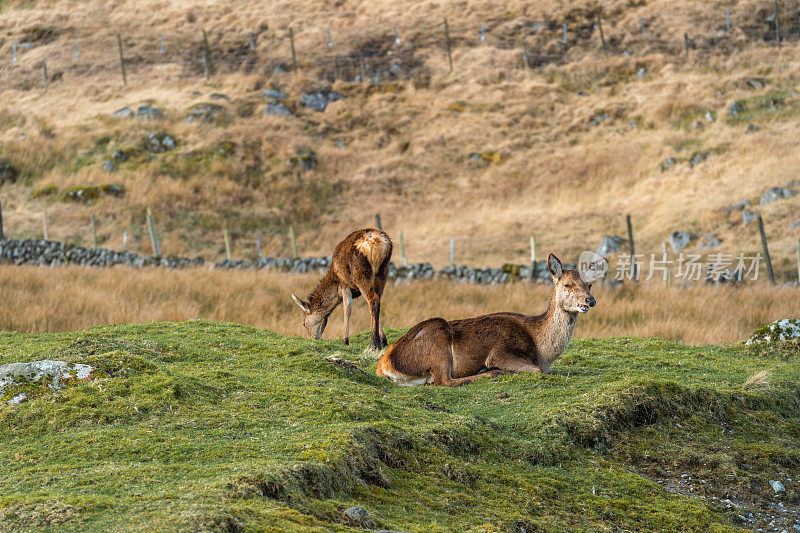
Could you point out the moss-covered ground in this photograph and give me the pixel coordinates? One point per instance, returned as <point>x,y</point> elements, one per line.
<point>216,426</point>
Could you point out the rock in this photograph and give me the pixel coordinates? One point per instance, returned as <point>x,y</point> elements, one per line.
<point>305,157</point>
<point>274,94</point>
<point>710,117</point>
<point>19,398</point>
<point>218,96</point>
<point>125,112</point>
<point>206,113</point>
<point>53,373</point>
<point>756,83</point>
<point>159,142</point>
<point>793,183</point>
<point>641,72</point>
<point>738,206</point>
<point>275,107</point>
<point>610,245</point>
<point>357,516</point>
<point>736,108</point>
<point>710,241</point>
<point>119,155</point>
<point>751,128</point>
<point>777,486</point>
<point>319,99</point>
<point>8,173</point>
<point>598,118</point>
<point>678,240</point>
<point>781,330</point>
<point>146,112</point>
<point>748,216</point>
<point>794,225</point>
<point>110,166</point>
<point>777,193</point>
<point>699,125</point>
<point>668,163</point>
<point>699,157</point>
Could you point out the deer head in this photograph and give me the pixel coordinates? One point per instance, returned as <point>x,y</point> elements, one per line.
<point>313,321</point>
<point>571,293</point>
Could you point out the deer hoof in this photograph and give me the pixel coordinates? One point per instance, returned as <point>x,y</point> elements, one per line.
<point>346,341</point>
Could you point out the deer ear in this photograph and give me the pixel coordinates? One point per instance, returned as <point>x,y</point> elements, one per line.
<point>555,267</point>
<point>301,304</point>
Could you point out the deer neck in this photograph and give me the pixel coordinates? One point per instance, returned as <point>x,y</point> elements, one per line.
<point>554,331</point>
<point>325,297</point>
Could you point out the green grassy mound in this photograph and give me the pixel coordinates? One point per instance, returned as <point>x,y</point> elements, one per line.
<point>211,426</point>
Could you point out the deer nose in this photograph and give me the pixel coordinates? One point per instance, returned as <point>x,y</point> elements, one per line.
<point>591,302</point>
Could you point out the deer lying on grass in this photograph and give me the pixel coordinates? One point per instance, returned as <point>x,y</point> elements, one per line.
<point>360,265</point>
<point>462,351</point>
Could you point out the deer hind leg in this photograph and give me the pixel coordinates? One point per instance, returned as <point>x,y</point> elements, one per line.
<point>374,301</point>
<point>347,305</point>
<point>384,342</point>
<point>442,367</point>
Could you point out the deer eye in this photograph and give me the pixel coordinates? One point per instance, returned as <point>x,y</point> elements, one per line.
<point>568,285</point>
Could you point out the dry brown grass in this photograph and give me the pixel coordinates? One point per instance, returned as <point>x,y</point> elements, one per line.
<point>69,298</point>
<point>408,147</point>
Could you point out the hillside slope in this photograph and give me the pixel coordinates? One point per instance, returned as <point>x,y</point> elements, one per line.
<point>214,426</point>
<point>489,153</point>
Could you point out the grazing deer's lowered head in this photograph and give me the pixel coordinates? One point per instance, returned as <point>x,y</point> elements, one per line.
<point>359,266</point>
<point>458,352</point>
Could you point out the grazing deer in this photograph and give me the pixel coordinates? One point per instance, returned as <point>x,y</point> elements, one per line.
<point>461,351</point>
<point>360,265</point>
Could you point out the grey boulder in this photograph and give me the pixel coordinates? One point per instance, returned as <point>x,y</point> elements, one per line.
<point>319,99</point>
<point>777,193</point>
<point>678,240</point>
<point>125,112</point>
<point>275,107</point>
<point>611,244</point>
<point>146,112</point>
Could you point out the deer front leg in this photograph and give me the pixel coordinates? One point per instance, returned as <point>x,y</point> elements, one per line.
<point>374,302</point>
<point>384,342</point>
<point>511,363</point>
<point>347,305</point>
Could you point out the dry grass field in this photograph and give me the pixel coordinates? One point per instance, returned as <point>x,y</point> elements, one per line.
<point>403,149</point>
<point>72,298</point>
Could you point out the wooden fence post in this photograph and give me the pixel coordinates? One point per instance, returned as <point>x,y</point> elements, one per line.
<point>483,35</point>
<point>641,23</point>
<point>124,240</point>
<point>76,48</point>
<point>798,262</point>
<point>686,43</point>
<point>447,44</point>
<point>151,226</point>
<point>533,257</point>
<point>777,24</point>
<point>378,223</point>
<point>403,250</point>
<point>252,42</point>
<point>161,45</point>
<point>602,35</point>
<point>206,56</point>
<point>44,74</point>
<point>14,54</point>
<point>44,224</point>
<point>2,236</point>
<point>122,60</point>
<point>564,40</point>
<point>363,65</point>
<point>396,36</point>
<point>727,20</point>
<point>525,56</point>
<point>258,246</point>
<point>766,249</point>
<point>452,250</point>
<point>226,236</point>
<point>634,266</point>
<point>294,54</point>
<point>93,224</point>
<point>292,242</point>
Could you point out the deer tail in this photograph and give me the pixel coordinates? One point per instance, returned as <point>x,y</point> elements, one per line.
<point>376,247</point>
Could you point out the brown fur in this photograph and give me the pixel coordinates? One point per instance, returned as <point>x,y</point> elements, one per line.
<point>359,266</point>
<point>460,351</point>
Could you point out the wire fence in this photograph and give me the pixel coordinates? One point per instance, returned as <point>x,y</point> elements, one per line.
<point>383,54</point>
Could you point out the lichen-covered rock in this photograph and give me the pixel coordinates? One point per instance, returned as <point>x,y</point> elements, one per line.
<point>736,108</point>
<point>777,193</point>
<point>274,94</point>
<point>319,99</point>
<point>125,112</point>
<point>146,112</point>
<point>679,240</point>
<point>779,331</point>
<point>38,375</point>
<point>274,107</point>
<point>306,157</point>
<point>735,207</point>
<point>611,244</point>
<point>668,163</point>
<point>207,113</point>
<point>159,142</point>
<point>357,516</point>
